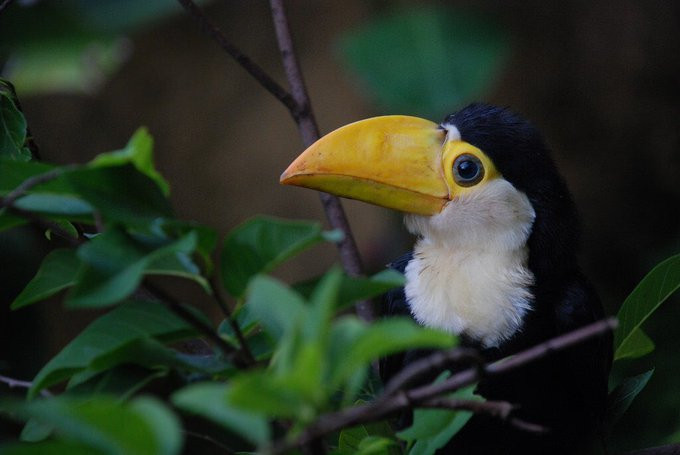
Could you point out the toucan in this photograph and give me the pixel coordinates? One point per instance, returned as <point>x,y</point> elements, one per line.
<point>494,260</point>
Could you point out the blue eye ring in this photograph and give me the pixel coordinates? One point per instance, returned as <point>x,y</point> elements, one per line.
<point>468,170</point>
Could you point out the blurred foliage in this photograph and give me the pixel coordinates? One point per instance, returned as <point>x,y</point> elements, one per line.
<point>426,61</point>
<point>71,45</point>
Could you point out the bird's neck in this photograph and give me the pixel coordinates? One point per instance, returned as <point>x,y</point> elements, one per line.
<point>480,291</point>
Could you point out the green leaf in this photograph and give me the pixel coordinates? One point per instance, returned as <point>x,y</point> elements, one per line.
<point>121,193</point>
<point>150,353</point>
<point>652,291</point>
<point>57,272</point>
<point>426,61</point>
<point>139,153</point>
<point>259,245</point>
<point>48,448</point>
<point>357,288</point>
<point>65,226</point>
<point>276,306</point>
<point>115,329</point>
<point>181,265</point>
<point>370,438</point>
<point>9,221</point>
<point>54,204</point>
<point>323,300</point>
<point>433,428</point>
<point>272,395</point>
<point>622,397</point>
<point>114,264</point>
<point>12,126</point>
<point>121,381</point>
<point>14,173</point>
<point>35,431</point>
<point>143,426</point>
<point>383,338</point>
<point>638,345</point>
<point>209,400</point>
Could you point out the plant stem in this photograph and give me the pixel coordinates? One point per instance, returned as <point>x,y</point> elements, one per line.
<point>309,131</point>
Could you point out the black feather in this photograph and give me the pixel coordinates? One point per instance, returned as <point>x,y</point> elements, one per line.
<point>567,391</point>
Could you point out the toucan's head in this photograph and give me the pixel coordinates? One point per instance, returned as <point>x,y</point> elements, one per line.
<point>483,176</point>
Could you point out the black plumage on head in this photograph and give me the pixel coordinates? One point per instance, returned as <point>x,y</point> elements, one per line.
<point>520,154</point>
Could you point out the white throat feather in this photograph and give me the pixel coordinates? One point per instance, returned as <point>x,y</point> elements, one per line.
<point>469,271</point>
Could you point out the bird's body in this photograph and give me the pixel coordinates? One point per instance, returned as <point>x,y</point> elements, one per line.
<point>494,261</point>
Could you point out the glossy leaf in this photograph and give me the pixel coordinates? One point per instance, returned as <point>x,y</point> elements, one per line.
<point>638,345</point>
<point>57,272</point>
<point>374,437</point>
<point>54,204</point>
<point>653,290</point>
<point>49,448</point>
<point>14,173</point>
<point>261,244</point>
<point>270,394</point>
<point>622,397</point>
<point>276,306</point>
<point>12,126</point>
<point>143,426</point>
<point>386,337</point>
<point>114,265</point>
<point>433,428</point>
<point>425,61</point>
<point>209,400</point>
<point>358,288</point>
<point>139,153</point>
<point>115,329</point>
<point>121,194</point>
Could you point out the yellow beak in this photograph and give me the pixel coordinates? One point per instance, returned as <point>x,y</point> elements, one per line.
<point>393,161</point>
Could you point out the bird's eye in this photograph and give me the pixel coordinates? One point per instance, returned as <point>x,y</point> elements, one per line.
<point>467,170</point>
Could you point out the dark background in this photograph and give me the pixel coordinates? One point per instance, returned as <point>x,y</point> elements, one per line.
<point>599,78</point>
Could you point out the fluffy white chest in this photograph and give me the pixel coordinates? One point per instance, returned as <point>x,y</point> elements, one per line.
<point>469,272</point>
<point>483,295</point>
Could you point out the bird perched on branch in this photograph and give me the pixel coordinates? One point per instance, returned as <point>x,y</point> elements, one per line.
<point>494,261</point>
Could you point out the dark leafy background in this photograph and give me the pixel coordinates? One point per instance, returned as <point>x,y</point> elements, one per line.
<point>599,78</point>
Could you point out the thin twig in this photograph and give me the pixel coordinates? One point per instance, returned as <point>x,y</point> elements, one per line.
<point>669,449</point>
<point>176,307</point>
<point>251,67</point>
<point>43,223</point>
<point>222,303</point>
<point>387,405</point>
<point>299,107</point>
<point>5,4</point>
<point>309,131</point>
<point>436,361</point>
<point>498,409</point>
<point>209,439</point>
<point>17,383</point>
<point>28,184</point>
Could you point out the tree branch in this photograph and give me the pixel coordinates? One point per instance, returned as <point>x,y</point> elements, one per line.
<point>176,307</point>
<point>299,106</point>
<point>5,4</point>
<point>221,302</point>
<point>309,131</point>
<point>16,383</point>
<point>499,409</point>
<point>437,361</point>
<point>246,63</point>
<point>670,449</point>
<point>30,183</point>
<point>387,405</point>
